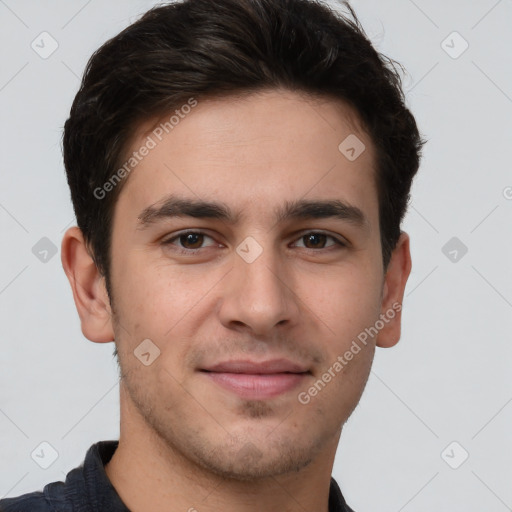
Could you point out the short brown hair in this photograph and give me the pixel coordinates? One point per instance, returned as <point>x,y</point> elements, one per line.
<point>200,48</point>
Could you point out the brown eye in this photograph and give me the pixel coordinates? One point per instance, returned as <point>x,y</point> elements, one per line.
<point>318,240</point>
<point>192,240</point>
<point>315,240</point>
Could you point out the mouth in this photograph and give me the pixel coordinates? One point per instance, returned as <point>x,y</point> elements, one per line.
<point>257,380</point>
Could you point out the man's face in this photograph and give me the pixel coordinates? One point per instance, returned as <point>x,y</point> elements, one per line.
<point>269,286</point>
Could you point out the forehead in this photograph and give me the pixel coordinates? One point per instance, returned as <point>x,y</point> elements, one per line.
<point>260,150</point>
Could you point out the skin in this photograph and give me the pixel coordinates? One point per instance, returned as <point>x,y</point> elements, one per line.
<point>185,442</point>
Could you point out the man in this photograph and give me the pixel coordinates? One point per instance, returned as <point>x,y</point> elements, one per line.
<point>239,171</point>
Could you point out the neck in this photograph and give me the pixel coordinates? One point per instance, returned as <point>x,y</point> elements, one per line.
<point>148,474</point>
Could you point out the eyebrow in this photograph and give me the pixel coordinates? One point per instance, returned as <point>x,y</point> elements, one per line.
<point>173,206</point>
<point>302,209</point>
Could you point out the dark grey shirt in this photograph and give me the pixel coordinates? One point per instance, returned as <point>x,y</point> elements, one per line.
<point>88,489</point>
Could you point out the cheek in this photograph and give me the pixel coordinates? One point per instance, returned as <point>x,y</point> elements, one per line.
<point>346,299</point>
<point>149,295</point>
<point>348,306</point>
<point>155,301</point>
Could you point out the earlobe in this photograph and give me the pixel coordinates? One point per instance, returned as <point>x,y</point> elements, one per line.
<point>88,286</point>
<point>395,280</point>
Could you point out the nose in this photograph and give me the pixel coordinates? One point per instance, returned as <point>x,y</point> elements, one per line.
<point>259,296</point>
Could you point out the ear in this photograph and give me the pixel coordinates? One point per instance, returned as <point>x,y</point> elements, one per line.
<point>398,271</point>
<point>88,285</point>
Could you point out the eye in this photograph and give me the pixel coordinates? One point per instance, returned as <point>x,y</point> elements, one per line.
<point>189,241</point>
<point>317,240</point>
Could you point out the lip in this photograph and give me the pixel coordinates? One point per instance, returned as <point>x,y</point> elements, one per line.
<point>257,380</point>
<point>257,367</point>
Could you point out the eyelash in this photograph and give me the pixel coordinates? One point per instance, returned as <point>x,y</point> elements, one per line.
<point>181,250</point>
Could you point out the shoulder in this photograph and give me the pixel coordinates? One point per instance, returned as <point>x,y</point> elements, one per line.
<point>82,487</point>
<point>55,497</point>
<point>32,502</point>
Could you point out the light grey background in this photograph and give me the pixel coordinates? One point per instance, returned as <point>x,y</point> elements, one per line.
<point>448,380</point>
